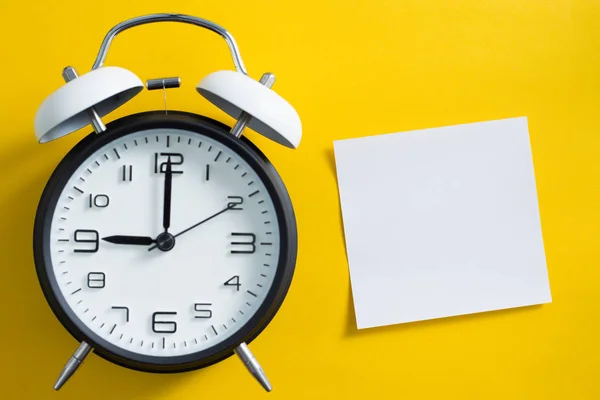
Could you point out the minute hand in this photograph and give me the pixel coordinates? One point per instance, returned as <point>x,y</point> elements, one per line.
<point>199,223</point>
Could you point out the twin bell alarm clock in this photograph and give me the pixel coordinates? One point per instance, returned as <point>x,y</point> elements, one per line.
<point>165,241</point>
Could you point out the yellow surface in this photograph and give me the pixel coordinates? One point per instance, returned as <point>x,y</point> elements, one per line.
<point>351,68</point>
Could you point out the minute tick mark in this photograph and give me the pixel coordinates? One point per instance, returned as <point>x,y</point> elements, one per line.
<point>125,145</point>
<point>117,153</point>
<point>168,141</point>
<point>244,174</point>
<point>214,330</point>
<point>113,329</point>
<point>97,163</point>
<point>253,193</point>
<point>105,156</point>
<point>251,293</point>
<point>218,155</point>
<point>79,190</point>
<point>76,291</point>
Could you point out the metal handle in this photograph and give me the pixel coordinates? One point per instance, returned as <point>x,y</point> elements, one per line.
<point>146,19</point>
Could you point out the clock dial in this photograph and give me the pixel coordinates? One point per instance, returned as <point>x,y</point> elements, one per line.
<point>160,293</point>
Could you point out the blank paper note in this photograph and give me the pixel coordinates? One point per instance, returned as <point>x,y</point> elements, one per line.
<point>441,222</point>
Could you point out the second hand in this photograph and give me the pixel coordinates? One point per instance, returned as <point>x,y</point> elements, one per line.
<point>198,224</point>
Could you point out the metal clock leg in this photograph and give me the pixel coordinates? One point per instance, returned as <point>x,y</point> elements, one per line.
<point>71,366</point>
<point>69,74</point>
<point>268,79</point>
<point>253,366</point>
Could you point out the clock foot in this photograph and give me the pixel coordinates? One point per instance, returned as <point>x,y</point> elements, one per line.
<point>253,366</point>
<point>268,79</point>
<point>70,74</point>
<point>71,366</point>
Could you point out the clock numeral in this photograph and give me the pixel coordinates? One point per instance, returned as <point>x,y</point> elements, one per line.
<point>99,200</point>
<point>122,308</point>
<point>162,326</point>
<point>235,283</point>
<point>176,159</point>
<point>86,236</point>
<point>201,308</point>
<point>236,200</point>
<point>247,247</point>
<point>127,173</point>
<point>96,280</point>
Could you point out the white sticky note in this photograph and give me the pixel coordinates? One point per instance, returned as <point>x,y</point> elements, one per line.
<point>441,222</point>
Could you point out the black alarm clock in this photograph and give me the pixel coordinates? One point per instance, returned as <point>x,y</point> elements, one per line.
<point>165,241</point>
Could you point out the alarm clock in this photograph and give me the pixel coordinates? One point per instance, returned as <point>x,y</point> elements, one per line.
<point>165,241</point>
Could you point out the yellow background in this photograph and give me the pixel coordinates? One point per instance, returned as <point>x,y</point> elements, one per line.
<point>351,68</point>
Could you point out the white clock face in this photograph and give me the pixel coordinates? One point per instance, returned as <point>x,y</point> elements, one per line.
<point>137,296</point>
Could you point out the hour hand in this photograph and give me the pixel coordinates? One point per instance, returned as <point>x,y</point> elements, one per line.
<point>133,240</point>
